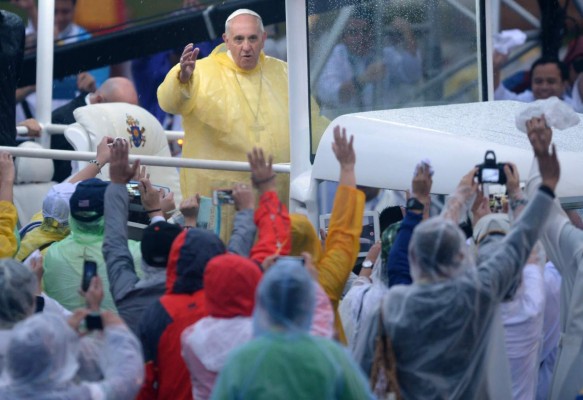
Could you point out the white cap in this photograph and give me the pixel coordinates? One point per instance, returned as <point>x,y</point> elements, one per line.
<point>243,11</point>
<point>56,202</point>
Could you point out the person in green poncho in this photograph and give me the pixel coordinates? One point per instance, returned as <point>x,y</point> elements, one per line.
<point>283,361</point>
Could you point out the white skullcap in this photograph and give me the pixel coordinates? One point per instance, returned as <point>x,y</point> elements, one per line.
<point>243,11</point>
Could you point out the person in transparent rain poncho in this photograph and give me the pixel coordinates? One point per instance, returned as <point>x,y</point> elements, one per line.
<point>445,327</point>
<point>283,361</point>
<point>41,362</point>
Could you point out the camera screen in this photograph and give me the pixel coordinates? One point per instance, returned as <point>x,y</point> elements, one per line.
<point>223,196</point>
<point>491,175</point>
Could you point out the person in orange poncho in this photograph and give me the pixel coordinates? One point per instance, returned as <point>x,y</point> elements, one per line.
<point>335,262</point>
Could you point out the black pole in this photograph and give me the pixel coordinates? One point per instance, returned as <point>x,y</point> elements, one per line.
<point>552,27</point>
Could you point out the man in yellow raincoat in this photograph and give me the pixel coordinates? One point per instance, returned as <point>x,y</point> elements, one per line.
<point>230,101</point>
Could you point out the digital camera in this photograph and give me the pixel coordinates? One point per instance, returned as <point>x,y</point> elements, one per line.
<point>491,171</point>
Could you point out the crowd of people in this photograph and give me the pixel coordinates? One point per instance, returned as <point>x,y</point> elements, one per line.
<point>489,311</point>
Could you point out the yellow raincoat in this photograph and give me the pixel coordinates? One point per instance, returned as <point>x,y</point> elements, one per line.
<point>48,232</point>
<point>221,106</point>
<point>8,240</point>
<point>336,261</point>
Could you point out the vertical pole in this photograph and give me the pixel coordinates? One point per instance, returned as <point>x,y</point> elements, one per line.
<point>44,66</point>
<point>298,86</point>
<point>485,50</point>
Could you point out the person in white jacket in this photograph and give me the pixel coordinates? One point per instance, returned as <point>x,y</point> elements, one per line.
<point>563,244</point>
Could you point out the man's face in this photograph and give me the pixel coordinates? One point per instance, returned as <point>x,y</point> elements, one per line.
<point>547,82</point>
<point>245,40</point>
<point>64,13</point>
<point>358,37</point>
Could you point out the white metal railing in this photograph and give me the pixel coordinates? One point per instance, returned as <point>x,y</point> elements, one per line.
<point>58,129</point>
<point>144,160</point>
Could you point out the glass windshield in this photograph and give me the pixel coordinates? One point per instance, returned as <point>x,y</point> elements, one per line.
<point>376,55</point>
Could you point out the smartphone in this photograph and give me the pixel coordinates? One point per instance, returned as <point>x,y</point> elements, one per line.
<point>222,197</point>
<point>133,188</point>
<point>89,271</point>
<point>295,259</point>
<point>136,211</point>
<point>93,322</point>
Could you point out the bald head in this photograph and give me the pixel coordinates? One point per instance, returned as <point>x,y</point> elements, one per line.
<point>116,90</point>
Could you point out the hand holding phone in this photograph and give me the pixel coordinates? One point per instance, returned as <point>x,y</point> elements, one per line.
<point>94,293</point>
<point>89,271</point>
<point>222,197</point>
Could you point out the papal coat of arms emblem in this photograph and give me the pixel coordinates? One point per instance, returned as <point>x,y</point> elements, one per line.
<point>137,137</point>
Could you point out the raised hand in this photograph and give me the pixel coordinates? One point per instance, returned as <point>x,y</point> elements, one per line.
<point>512,179</point>
<point>150,196</point>
<point>7,172</point>
<point>94,295</point>
<point>539,135</point>
<point>480,208</point>
<point>421,184</point>
<point>189,208</point>
<point>188,62</point>
<point>262,174</point>
<point>343,148</point>
<point>120,170</point>
<point>243,197</point>
<point>103,155</point>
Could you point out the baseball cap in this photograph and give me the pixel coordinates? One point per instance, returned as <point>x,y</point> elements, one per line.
<point>156,242</point>
<point>56,202</point>
<point>86,203</point>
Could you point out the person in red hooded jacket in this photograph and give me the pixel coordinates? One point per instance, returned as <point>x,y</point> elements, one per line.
<point>229,285</point>
<point>182,305</point>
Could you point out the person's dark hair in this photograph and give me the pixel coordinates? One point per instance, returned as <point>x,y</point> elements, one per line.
<point>551,60</point>
<point>389,216</point>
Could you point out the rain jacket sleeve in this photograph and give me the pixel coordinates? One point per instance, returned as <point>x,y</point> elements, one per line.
<point>118,258</point>
<point>176,97</point>
<point>563,243</point>
<point>8,218</point>
<point>243,234</point>
<point>398,262</point>
<point>274,227</point>
<point>342,246</point>
<point>124,365</point>
<point>499,271</point>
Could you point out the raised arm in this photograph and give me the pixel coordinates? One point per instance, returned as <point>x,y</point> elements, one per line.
<point>342,242</point>
<point>271,217</point>
<point>516,198</point>
<point>124,365</point>
<point>500,270</point>
<point>458,203</point>
<point>8,214</point>
<point>244,228</point>
<point>398,262</point>
<point>560,238</point>
<point>118,258</point>
<point>175,94</point>
<point>94,168</point>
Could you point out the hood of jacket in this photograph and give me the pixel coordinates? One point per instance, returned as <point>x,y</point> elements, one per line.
<point>189,255</point>
<point>221,55</point>
<point>304,238</point>
<point>229,285</point>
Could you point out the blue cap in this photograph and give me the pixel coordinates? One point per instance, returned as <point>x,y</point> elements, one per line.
<point>86,203</point>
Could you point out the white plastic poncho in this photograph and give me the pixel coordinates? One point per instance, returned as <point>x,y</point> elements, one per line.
<point>41,363</point>
<point>446,332</point>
